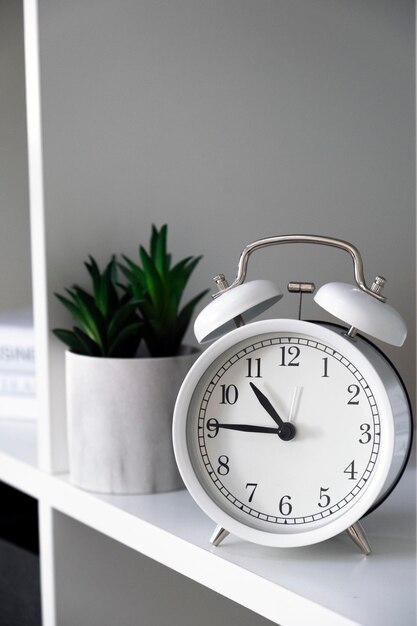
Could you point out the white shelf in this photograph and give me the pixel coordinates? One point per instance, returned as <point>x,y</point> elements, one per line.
<point>331,583</point>
<point>18,455</point>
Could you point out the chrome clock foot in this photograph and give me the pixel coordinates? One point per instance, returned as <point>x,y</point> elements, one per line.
<point>357,534</point>
<point>219,534</point>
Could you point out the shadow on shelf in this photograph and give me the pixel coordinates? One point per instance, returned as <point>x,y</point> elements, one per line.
<point>19,518</point>
<point>19,559</point>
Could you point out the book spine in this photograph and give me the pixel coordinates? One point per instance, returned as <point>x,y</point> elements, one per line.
<point>16,355</point>
<point>17,384</point>
<point>18,395</point>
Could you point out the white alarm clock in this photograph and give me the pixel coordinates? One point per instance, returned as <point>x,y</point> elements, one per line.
<point>288,432</point>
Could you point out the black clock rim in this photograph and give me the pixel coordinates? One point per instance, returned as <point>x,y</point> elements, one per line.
<point>412,428</point>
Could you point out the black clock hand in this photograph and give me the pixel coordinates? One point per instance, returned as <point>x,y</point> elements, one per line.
<point>286,430</point>
<point>266,404</point>
<point>249,428</point>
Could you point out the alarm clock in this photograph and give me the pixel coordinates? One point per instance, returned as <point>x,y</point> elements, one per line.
<point>287,432</point>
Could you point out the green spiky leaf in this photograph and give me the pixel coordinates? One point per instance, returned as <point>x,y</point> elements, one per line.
<point>122,316</point>
<point>70,339</point>
<point>88,344</point>
<point>126,335</point>
<point>158,247</point>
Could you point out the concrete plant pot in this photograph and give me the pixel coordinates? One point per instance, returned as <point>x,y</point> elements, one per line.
<point>119,414</point>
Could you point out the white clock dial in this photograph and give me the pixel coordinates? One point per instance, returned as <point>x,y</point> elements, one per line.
<point>241,453</point>
<point>284,433</point>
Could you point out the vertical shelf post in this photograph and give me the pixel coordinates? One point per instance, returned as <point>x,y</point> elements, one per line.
<point>52,453</point>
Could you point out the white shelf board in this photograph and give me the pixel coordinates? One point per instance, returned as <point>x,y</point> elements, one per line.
<point>330,583</point>
<point>326,584</point>
<point>18,454</point>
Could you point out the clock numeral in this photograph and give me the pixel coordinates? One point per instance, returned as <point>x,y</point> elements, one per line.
<point>366,435</point>
<point>324,498</point>
<point>253,487</point>
<point>223,468</point>
<point>325,367</point>
<point>351,471</point>
<point>254,368</point>
<point>212,426</point>
<point>285,507</point>
<point>354,391</point>
<point>229,393</point>
<point>289,356</point>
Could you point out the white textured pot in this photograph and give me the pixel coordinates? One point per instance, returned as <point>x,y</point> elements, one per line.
<point>119,414</point>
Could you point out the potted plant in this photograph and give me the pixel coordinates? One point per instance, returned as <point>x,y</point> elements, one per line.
<point>124,367</point>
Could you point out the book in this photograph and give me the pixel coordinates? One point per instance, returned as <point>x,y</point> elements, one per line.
<point>17,365</point>
<point>17,341</point>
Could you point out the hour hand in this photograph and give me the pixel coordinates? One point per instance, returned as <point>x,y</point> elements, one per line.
<point>286,430</point>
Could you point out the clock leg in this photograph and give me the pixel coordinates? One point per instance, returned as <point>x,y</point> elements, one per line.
<point>357,534</point>
<point>219,534</point>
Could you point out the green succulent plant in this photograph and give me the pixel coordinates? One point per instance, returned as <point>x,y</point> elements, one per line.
<point>108,324</point>
<point>158,287</point>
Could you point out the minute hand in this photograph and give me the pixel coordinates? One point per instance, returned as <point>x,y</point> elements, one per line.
<point>286,430</point>
<point>249,428</point>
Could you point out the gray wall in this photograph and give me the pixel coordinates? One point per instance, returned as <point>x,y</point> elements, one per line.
<point>232,120</point>
<point>15,283</point>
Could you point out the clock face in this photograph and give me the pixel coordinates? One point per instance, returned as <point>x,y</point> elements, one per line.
<point>284,430</point>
